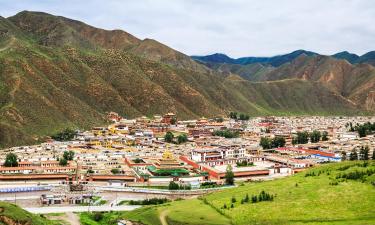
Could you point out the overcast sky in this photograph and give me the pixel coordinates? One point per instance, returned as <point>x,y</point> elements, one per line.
<point>235,27</point>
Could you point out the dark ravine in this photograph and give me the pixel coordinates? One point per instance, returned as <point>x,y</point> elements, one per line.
<point>57,72</point>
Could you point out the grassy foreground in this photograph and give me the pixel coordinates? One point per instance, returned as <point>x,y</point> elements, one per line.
<point>12,214</point>
<point>341,193</point>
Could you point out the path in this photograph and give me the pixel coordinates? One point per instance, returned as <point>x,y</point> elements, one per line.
<point>72,218</point>
<point>64,209</point>
<point>163,217</point>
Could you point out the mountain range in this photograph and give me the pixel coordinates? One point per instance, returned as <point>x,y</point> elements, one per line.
<point>281,59</point>
<point>57,72</point>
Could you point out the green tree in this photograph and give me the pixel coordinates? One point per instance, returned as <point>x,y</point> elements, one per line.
<point>68,155</point>
<point>173,121</point>
<point>115,171</point>
<point>325,136</point>
<point>363,153</point>
<point>11,160</point>
<point>63,162</point>
<point>244,116</point>
<point>233,115</point>
<point>169,137</point>
<point>302,137</point>
<point>278,142</point>
<point>229,175</point>
<point>265,142</point>
<point>182,138</point>
<point>343,156</point>
<point>315,136</point>
<point>362,132</point>
<point>353,155</point>
<point>65,135</point>
<point>173,186</point>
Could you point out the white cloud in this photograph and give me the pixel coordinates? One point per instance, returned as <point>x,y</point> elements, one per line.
<point>235,27</point>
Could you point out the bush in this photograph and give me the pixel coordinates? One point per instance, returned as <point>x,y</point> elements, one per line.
<point>98,216</point>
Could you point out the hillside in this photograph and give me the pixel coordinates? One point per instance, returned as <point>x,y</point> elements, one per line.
<point>11,214</point>
<point>316,196</point>
<point>57,72</point>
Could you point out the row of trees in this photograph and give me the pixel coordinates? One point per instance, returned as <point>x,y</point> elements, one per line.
<point>66,135</point>
<point>362,129</point>
<point>363,154</point>
<point>268,143</point>
<point>314,137</point>
<point>170,138</point>
<point>239,116</point>
<point>175,186</point>
<point>226,133</point>
<point>151,201</point>
<point>263,196</point>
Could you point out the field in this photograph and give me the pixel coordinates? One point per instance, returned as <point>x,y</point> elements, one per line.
<point>316,196</point>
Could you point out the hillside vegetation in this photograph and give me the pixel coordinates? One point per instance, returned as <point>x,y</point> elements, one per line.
<point>341,193</point>
<point>56,73</point>
<point>11,214</point>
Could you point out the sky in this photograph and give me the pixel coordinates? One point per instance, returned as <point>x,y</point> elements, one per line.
<point>235,27</point>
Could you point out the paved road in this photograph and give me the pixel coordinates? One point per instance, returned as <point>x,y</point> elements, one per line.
<point>11,198</point>
<point>64,209</point>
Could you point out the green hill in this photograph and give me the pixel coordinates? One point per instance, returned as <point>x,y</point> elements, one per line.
<point>341,193</point>
<point>11,214</point>
<point>56,72</point>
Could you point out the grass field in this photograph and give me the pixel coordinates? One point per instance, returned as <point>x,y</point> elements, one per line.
<point>316,196</point>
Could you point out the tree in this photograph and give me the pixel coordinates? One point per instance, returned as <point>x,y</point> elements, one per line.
<point>68,155</point>
<point>63,162</point>
<point>229,175</point>
<point>343,156</point>
<point>373,154</point>
<point>315,136</point>
<point>325,136</point>
<point>11,160</point>
<point>353,155</point>
<point>362,132</point>
<point>363,153</point>
<point>278,142</point>
<point>115,171</point>
<point>265,142</point>
<point>233,115</point>
<point>169,137</point>
<point>65,135</point>
<point>173,121</point>
<point>302,137</point>
<point>244,116</point>
<point>182,138</point>
<point>173,186</point>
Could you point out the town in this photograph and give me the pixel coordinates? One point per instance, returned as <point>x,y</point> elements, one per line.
<point>156,151</point>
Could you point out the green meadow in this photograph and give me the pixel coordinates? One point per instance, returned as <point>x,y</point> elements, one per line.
<point>340,193</point>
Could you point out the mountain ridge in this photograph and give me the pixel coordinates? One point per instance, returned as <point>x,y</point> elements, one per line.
<point>56,74</point>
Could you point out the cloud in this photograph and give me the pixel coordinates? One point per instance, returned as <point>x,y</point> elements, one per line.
<point>235,27</point>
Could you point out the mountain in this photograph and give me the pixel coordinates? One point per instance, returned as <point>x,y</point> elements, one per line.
<point>56,72</point>
<point>350,57</point>
<point>354,82</point>
<point>278,60</point>
<point>272,61</point>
